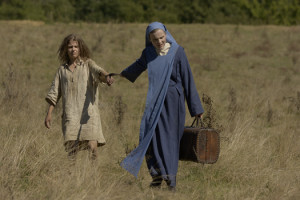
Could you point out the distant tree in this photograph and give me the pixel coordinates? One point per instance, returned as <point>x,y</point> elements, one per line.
<point>230,11</point>
<point>87,10</point>
<point>122,11</point>
<point>13,9</point>
<point>166,11</point>
<point>281,12</point>
<point>46,10</point>
<point>285,12</point>
<point>193,11</point>
<point>58,10</point>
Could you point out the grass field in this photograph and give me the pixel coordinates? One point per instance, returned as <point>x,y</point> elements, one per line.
<point>251,73</point>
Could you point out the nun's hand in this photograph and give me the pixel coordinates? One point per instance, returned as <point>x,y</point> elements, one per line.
<point>199,115</point>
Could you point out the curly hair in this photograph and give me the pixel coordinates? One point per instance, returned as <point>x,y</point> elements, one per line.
<point>63,49</point>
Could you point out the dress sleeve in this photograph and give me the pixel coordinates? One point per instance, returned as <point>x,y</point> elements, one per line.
<point>54,93</point>
<point>98,72</point>
<point>190,91</point>
<point>135,69</point>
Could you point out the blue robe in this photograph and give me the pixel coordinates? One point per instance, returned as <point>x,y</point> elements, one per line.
<point>163,151</point>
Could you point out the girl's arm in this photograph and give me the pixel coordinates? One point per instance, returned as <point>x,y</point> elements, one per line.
<point>53,97</point>
<point>48,118</point>
<point>99,73</point>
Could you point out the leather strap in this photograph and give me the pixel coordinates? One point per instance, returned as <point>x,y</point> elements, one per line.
<point>198,120</point>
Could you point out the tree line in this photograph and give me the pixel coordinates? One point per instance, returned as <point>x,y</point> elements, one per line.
<point>277,12</point>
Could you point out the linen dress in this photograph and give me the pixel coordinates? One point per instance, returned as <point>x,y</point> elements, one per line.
<point>163,152</point>
<point>79,93</point>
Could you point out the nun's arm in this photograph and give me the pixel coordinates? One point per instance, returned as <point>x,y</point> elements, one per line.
<point>133,71</point>
<point>190,90</point>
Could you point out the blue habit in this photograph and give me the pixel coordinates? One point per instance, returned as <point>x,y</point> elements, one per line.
<point>170,83</point>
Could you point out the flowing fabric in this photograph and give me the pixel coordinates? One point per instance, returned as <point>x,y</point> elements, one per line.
<point>159,72</point>
<point>163,152</point>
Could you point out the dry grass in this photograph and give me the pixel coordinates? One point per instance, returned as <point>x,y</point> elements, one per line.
<point>252,75</point>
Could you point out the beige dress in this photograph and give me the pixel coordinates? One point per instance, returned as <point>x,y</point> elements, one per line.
<point>79,93</point>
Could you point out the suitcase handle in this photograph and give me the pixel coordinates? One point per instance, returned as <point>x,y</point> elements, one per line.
<point>197,120</point>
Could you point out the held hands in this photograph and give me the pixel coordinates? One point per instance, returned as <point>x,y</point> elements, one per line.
<point>109,80</point>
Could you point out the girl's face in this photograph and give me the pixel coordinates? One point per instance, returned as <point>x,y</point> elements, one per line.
<point>73,50</point>
<point>158,39</point>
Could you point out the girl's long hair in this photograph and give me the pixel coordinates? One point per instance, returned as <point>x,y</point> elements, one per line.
<point>63,49</point>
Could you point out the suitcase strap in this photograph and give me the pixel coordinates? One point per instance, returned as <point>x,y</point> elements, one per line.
<point>198,121</point>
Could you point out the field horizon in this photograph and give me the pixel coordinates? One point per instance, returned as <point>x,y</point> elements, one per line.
<point>249,74</point>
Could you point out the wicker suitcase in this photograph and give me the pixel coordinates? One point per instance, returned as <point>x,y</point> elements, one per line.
<point>200,145</point>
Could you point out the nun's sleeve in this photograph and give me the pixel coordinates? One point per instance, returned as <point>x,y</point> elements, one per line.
<point>135,69</point>
<point>190,91</point>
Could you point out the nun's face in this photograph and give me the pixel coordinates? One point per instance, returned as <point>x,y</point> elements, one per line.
<point>158,39</point>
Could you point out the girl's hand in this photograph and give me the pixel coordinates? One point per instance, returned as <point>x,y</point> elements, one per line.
<point>48,120</point>
<point>109,80</point>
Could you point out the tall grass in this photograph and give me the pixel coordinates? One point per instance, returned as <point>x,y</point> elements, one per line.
<point>251,75</point>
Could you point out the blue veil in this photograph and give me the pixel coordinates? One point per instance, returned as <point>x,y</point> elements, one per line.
<point>159,72</point>
<point>158,25</point>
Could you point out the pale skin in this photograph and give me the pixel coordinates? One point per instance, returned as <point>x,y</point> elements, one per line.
<point>158,39</point>
<point>74,54</point>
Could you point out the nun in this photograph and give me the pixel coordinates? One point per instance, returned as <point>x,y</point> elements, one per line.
<point>170,84</point>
